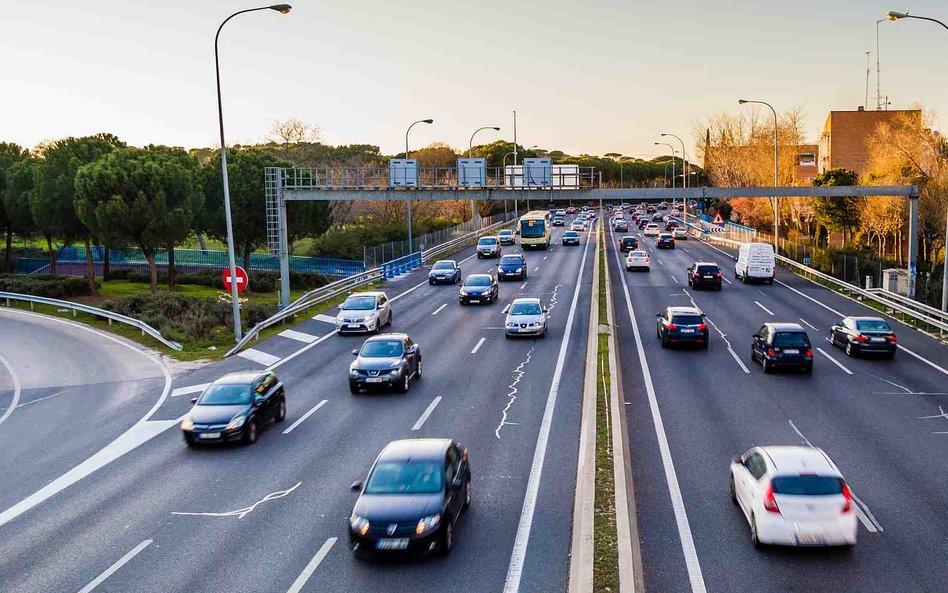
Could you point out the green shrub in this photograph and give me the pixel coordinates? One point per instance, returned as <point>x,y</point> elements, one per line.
<point>260,281</point>
<point>55,287</point>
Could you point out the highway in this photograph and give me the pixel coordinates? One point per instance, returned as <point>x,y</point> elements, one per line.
<point>691,411</point>
<point>155,516</point>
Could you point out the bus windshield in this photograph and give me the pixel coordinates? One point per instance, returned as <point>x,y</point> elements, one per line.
<point>532,229</point>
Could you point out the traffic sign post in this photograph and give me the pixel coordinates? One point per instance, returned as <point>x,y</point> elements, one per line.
<point>717,219</point>
<point>242,282</point>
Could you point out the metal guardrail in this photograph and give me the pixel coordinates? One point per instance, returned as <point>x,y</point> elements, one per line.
<point>141,325</point>
<point>911,304</point>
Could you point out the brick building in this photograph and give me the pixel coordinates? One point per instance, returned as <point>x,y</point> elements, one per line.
<point>843,141</point>
<point>805,165</point>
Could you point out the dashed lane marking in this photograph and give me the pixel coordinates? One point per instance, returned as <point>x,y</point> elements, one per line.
<point>118,564</point>
<point>424,415</point>
<point>438,310</point>
<point>303,418</point>
<point>763,307</point>
<point>834,361</point>
<point>808,324</point>
<point>478,345</point>
<point>311,566</point>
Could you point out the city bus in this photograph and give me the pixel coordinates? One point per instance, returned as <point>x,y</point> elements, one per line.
<point>535,229</point>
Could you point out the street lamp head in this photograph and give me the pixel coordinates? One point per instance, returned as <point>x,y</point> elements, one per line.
<point>663,135</point>
<point>894,16</point>
<point>281,8</point>
<point>428,121</point>
<point>495,128</point>
<point>741,101</point>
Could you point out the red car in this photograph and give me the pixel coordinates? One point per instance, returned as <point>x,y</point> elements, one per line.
<point>571,210</point>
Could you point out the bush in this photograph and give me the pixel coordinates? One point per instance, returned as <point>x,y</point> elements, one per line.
<point>55,287</point>
<point>260,281</point>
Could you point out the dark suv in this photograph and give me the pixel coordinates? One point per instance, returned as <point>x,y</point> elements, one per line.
<point>704,273</point>
<point>781,345</point>
<point>628,244</point>
<point>385,361</point>
<point>681,325</point>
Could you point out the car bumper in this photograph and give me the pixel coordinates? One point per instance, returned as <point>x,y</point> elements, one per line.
<point>507,241</point>
<point>474,300</point>
<point>488,253</point>
<point>638,267</point>
<point>356,328</point>
<point>418,545</point>
<point>698,282</point>
<point>878,348</point>
<point>790,362</point>
<point>384,382</point>
<point>570,241</point>
<point>506,275</point>
<point>442,279</point>
<point>213,435</point>
<point>679,338</point>
<point>664,246</point>
<point>776,530</point>
<point>524,331</point>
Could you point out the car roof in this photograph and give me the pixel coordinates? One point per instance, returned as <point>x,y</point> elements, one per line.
<point>797,459</point>
<point>372,293</point>
<point>526,300</point>
<point>388,336</point>
<point>406,449</point>
<point>504,231</point>
<point>865,318</point>
<point>478,276</point>
<point>450,261</point>
<point>489,237</point>
<point>684,311</point>
<point>630,237</point>
<point>573,232</point>
<point>239,378</point>
<point>782,326</point>
<point>705,263</point>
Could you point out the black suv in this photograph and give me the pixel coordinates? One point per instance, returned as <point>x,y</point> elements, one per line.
<point>781,345</point>
<point>388,360</point>
<point>628,244</point>
<point>703,273</point>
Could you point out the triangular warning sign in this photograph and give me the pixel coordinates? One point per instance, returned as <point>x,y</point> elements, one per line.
<point>717,219</point>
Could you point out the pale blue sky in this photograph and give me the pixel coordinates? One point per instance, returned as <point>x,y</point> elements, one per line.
<point>597,76</point>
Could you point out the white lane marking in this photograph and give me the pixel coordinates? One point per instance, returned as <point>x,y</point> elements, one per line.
<point>522,286</point>
<point>536,269</point>
<point>258,356</point>
<point>478,345</point>
<point>834,361</point>
<point>695,576</point>
<point>311,567</point>
<point>241,513</point>
<point>512,394</point>
<point>685,249</point>
<point>808,324</point>
<point>763,307</point>
<point>725,279</point>
<point>190,389</point>
<point>17,388</point>
<point>426,413</point>
<point>675,279</point>
<point>522,539</point>
<point>832,310</point>
<point>738,360</point>
<point>438,310</point>
<point>544,257</point>
<point>303,418</point>
<point>324,318</point>
<point>660,261</point>
<point>298,336</point>
<point>44,398</point>
<point>303,349</point>
<point>718,329</point>
<point>118,564</point>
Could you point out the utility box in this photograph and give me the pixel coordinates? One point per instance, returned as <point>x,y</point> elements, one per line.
<point>895,280</point>
<point>403,173</point>
<point>537,172</point>
<point>472,172</point>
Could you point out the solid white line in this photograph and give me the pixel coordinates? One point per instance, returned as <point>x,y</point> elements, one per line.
<point>478,345</point>
<point>119,564</point>
<point>259,356</point>
<point>738,360</point>
<point>695,576</point>
<point>660,261</point>
<point>763,307</point>
<point>438,310</point>
<point>302,418</point>
<point>190,389</point>
<point>311,567</point>
<point>725,279</point>
<point>834,361</point>
<point>522,539</point>
<point>426,413</point>
<point>17,388</point>
<point>298,336</point>
<point>808,324</point>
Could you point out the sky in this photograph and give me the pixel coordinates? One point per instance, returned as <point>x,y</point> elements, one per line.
<point>591,77</point>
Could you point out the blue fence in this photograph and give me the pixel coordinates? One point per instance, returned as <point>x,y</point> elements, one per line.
<point>401,265</point>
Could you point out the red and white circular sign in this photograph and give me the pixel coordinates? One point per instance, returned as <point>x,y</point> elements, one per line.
<point>242,280</point>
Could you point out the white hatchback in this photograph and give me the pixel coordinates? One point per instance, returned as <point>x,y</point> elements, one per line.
<point>652,230</point>
<point>793,496</point>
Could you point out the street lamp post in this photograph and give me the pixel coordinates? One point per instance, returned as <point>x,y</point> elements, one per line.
<point>470,152</point>
<point>894,16</point>
<point>235,304</point>
<point>776,172</point>
<point>408,156</point>
<point>673,161</point>
<point>684,174</point>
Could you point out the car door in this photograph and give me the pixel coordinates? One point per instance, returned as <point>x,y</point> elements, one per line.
<point>454,497</point>
<point>262,399</point>
<point>662,321</point>
<point>747,484</point>
<point>385,312</point>
<point>759,340</point>
<point>410,359</point>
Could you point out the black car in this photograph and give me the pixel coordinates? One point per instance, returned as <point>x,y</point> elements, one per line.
<point>570,238</point>
<point>512,266</point>
<point>479,288</point>
<point>445,271</point>
<point>412,499</point>
<point>782,345</point>
<point>681,325</point>
<point>864,335</point>
<point>628,244</point>
<point>643,222</point>
<point>703,273</point>
<point>665,241</point>
<point>671,225</point>
<point>621,226</point>
<point>235,408</point>
<point>385,361</point>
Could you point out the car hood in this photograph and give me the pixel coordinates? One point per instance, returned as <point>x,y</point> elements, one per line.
<point>518,319</point>
<point>395,508</point>
<point>355,313</point>
<point>475,289</point>
<point>375,364</point>
<point>216,414</point>
<point>509,267</point>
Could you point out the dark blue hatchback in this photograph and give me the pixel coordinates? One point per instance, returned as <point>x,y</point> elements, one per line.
<point>512,267</point>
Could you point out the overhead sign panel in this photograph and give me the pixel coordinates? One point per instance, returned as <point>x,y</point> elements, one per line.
<point>538,172</point>
<point>403,173</point>
<point>472,172</point>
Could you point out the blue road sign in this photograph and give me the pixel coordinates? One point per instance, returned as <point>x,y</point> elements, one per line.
<point>806,261</point>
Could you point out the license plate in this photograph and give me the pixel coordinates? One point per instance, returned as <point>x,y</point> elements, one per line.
<point>373,380</point>
<point>353,325</point>
<point>474,300</point>
<point>687,331</point>
<point>791,351</point>
<point>708,277</point>
<point>878,339</point>
<point>209,435</point>
<point>395,543</point>
<point>524,330</point>
<point>810,538</point>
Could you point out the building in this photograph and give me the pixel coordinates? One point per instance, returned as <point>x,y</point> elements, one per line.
<point>845,133</point>
<point>805,164</point>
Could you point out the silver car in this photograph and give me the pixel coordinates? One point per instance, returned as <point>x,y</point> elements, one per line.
<point>526,317</point>
<point>488,247</point>
<point>364,312</point>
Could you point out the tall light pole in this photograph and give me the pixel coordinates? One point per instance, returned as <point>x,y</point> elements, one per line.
<point>894,16</point>
<point>235,304</point>
<point>665,172</point>
<point>408,156</point>
<point>684,174</point>
<point>470,152</point>
<point>673,161</point>
<point>776,172</point>
<point>878,69</point>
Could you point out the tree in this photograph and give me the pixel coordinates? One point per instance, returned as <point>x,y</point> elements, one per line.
<point>53,196</point>
<point>10,154</point>
<point>16,199</point>
<point>837,214</point>
<point>145,196</point>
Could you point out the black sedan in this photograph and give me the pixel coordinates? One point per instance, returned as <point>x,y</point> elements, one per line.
<point>782,345</point>
<point>570,238</point>
<point>385,361</point>
<point>234,408</point>
<point>864,335</point>
<point>412,499</point>
<point>479,288</point>
<point>512,267</point>
<point>444,271</point>
<point>702,273</point>
<point>681,325</point>
<point>665,241</point>
<point>628,244</point>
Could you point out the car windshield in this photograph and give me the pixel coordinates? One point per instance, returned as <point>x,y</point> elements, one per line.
<point>570,234</point>
<point>443,265</point>
<point>807,485</point>
<point>686,319</point>
<point>359,303</point>
<point>525,309</point>
<point>226,395</point>
<point>511,260</point>
<point>505,233</point>
<point>406,477</point>
<point>707,269</point>
<point>382,349</point>
<point>477,281</point>
<point>877,325</point>
<point>487,241</point>
<point>791,339</point>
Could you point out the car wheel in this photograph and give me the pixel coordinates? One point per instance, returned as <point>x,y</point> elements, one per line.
<point>418,370</point>
<point>733,491</point>
<point>765,365</point>
<point>447,538</point>
<point>191,443</point>
<point>467,496</point>
<point>353,388</point>
<point>849,349</point>
<point>753,355</point>
<point>705,344</point>
<point>281,412</point>
<point>890,355</point>
<point>250,433</point>
<point>664,342</point>
<point>431,283</point>
<point>719,286</point>
<point>405,385</point>
<point>755,539</point>
<point>507,336</point>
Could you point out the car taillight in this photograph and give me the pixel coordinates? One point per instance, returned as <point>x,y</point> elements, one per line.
<point>718,275</point>
<point>770,502</point>
<point>860,338</point>
<point>648,259</point>
<point>771,352</point>
<point>702,327</point>
<point>809,353</point>
<point>892,338</point>
<point>671,326</point>
<point>848,506</point>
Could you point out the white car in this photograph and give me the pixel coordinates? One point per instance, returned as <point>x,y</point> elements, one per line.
<point>638,260</point>
<point>793,496</point>
<point>526,317</point>
<point>680,234</point>
<point>364,312</point>
<point>489,247</point>
<point>578,225</point>
<point>652,230</point>
<point>561,212</point>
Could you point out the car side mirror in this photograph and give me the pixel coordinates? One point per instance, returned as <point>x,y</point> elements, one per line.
<point>545,310</point>
<point>658,315</point>
<point>411,350</point>
<point>457,483</point>
<point>355,352</point>
<point>736,459</point>
<point>194,400</point>
<point>356,486</point>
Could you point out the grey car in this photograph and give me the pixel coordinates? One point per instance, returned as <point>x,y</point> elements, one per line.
<point>386,361</point>
<point>526,317</point>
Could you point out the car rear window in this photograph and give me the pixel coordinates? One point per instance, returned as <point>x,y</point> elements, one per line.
<point>708,269</point>
<point>873,325</point>
<point>629,240</point>
<point>807,485</point>
<point>686,319</point>
<point>790,339</point>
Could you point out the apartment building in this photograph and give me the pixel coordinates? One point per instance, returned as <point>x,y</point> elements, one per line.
<point>845,133</point>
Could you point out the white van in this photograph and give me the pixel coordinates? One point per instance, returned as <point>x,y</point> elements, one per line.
<point>756,261</point>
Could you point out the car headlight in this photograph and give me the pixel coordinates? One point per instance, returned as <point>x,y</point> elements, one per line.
<point>428,523</point>
<point>519,270</point>
<point>511,324</point>
<point>394,372</point>
<point>187,424</point>
<point>535,324</point>
<point>359,524</point>
<point>354,372</point>
<point>236,422</point>
<point>463,293</point>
